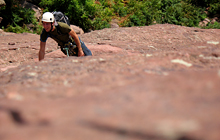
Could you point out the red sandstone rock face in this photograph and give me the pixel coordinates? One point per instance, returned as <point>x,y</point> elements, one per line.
<point>156,82</point>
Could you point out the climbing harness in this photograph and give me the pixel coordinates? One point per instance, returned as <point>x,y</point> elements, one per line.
<point>70,49</point>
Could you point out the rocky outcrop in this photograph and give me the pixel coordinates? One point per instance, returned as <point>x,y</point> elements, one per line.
<point>77,29</point>
<point>2,3</point>
<point>114,23</point>
<point>1,19</point>
<point>28,5</point>
<point>156,82</point>
<point>204,22</point>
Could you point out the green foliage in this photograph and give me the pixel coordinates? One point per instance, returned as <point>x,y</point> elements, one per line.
<point>15,17</point>
<point>119,8</point>
<point>99,23</point>
<point>83,13</point>
<point>17,29</point>
<point>202,3</point>
<point>181,13</point>
<point>164,11</point>
<point>97,14</point>
<point>79,12</point>
<point>216,25</point>
<point>214,9</point>
<point>143,13</point>
<point>21,29</point>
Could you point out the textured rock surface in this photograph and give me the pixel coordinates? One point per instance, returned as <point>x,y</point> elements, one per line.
<point>143,83</point>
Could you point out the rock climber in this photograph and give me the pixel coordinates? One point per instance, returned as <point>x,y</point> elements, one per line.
<point>64,35</point>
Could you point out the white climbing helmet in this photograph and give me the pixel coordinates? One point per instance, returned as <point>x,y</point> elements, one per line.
<point>48,17</point>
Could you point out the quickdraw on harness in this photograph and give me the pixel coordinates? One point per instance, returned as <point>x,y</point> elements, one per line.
<point>69,47</point>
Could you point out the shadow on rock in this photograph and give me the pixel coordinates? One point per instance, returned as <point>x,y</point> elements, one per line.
<point>130,133</point>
